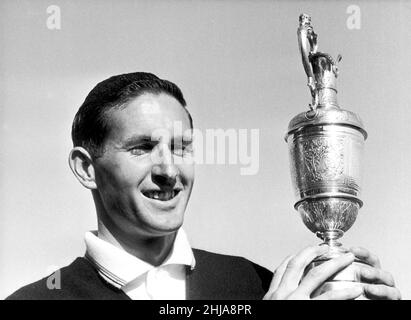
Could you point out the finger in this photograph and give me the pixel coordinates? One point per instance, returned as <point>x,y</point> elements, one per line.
<point>278,274</point>
<point>318,275</point>
<point>296,266</point>
<point>366,256</point>
<point>342,294</point>
<point>381,292</point>
<point>376,276</point>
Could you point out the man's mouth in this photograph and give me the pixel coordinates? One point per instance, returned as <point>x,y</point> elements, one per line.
<point>161,195</point>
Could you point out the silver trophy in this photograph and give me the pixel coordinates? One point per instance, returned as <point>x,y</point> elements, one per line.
<point>325,146</point>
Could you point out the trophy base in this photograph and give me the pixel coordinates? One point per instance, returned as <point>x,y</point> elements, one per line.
<point>349,277</point>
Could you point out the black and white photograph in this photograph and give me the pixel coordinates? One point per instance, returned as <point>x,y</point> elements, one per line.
<point>205,150</point>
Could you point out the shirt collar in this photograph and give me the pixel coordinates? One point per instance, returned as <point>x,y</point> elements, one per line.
<point>118,267</point>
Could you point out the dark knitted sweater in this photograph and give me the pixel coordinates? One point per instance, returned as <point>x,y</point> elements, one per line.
<point>215,277</point>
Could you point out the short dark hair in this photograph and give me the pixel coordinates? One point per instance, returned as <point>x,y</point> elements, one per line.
<point>91,123</point>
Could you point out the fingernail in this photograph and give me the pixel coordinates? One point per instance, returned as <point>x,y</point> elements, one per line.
<point>366,272</point>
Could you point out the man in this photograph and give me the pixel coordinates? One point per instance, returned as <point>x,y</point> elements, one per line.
<point>140,172</point>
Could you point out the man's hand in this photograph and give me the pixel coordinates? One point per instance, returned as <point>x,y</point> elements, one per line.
<point>379,284</point>
<point>288,285</point>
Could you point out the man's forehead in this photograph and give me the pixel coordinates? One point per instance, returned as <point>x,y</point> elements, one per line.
<point>151,114</point>
<point>150,107</point>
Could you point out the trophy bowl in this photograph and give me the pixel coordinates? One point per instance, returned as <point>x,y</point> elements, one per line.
<point>325,171</point>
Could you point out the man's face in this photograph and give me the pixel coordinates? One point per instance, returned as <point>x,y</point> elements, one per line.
<point>145,175</point>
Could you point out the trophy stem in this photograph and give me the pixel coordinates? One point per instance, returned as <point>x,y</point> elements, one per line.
<point>330,237</point>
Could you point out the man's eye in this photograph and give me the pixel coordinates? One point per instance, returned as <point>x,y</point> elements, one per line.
<point>141,150</point>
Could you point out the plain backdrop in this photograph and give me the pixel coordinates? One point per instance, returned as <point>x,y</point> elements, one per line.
<point>238,65</point>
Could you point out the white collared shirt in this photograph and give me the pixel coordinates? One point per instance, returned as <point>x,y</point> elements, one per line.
<point>137,278</point>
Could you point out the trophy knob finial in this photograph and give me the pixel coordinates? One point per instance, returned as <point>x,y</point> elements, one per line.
<point>321,69</point>
<point>307,44</point>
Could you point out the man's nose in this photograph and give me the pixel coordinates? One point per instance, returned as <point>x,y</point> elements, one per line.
<point>164,172</point>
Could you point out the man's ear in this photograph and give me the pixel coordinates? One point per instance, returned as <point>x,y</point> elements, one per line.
<point>81,164</point>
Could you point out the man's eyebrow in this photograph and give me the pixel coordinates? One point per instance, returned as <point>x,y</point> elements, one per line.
<point>133,140</point>
<point>138,139</point>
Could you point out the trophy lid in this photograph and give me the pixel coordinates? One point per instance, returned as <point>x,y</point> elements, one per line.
<point>325,116</point>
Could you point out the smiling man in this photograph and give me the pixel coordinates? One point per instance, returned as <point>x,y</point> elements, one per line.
<point>140,172</point>
<point>140,202</point>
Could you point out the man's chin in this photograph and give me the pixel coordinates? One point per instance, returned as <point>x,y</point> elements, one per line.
<point>153,220</point>
<point>164,228</point>
<point>155,233</point>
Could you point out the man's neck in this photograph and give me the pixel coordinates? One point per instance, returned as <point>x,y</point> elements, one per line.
<point>152,250</point>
